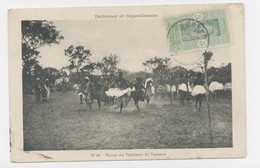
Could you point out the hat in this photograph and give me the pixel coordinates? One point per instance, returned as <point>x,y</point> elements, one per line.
<point>38,79</point>
<point>87,78</point>
<point>47,79</point>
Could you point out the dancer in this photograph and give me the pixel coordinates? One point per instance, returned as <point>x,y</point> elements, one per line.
<point>198,91</point>
<point>216,87</point>
<point>138,94</point>
<point>85,92</point>
<point>184,88</point>
<point>121,90</point>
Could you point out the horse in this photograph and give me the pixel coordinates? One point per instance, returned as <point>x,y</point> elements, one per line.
<point>98,93</point>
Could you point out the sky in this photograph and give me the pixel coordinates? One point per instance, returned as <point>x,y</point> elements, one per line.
<point>135,41</point>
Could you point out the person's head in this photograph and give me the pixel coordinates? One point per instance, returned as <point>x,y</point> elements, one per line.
<point>139,80</point>
<point>37,79</point>
<point>120,74</point>
<point>147,76</point>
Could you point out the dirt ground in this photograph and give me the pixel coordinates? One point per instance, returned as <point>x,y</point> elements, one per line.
<point>63,123</point>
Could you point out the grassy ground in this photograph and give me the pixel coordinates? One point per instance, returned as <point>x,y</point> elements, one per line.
<point>64,124</point>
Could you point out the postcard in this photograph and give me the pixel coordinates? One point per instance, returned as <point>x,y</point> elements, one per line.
<point>127,83</point>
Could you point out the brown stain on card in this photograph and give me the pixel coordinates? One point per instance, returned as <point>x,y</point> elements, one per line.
<point>240,6</point>
<point>46,157</point>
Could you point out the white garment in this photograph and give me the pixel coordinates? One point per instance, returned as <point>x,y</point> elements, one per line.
<point>169,88</point>
<point>76,86</point>
<point>215,86</point>
<point>228,86</point>
<point>81,94</point>
<point>116,92</point>
<point>153,90</point>
<point>198,89</point>
<point>60,80</point>
<point>146,81</point>
<point>183,87</point>
<point>133,89</point>
<point>48,92</point>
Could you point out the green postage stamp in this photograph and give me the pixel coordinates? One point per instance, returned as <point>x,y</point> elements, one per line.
<point>198,30</point>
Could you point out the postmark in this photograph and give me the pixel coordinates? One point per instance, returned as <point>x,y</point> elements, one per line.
<point>186,32</point>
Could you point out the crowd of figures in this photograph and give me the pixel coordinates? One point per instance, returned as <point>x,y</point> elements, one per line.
<point>142,89</point>
<point>43,87</point>
<point>187,87</point>
<point>115,89</point>
<point>42,90</point>
<point>118,90</point>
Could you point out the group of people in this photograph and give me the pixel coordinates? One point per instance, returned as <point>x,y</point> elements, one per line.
<point>62,84</point>
<point>187,86</point>
<point>142,89</point>
<point>118,88</point>
<point>139,89</point>
<point>42,90</point>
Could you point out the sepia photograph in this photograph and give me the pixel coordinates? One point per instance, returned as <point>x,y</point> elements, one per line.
<point>145,81</point>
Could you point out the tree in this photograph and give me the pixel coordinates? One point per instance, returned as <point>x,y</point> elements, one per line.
<point>29,57</point>
<point>158,65</point>
<point>177,71</point>
<point>207,56</point>
<point>77,57</point>
<point>35,34</point>
<point>37,71</point>
<point>50,73</point>
<point>110,64</point>
<point>90,67</point>
<point>99,65</point>
<point>225,73</point>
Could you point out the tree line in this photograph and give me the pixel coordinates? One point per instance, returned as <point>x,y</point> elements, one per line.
<point>39,33</point>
